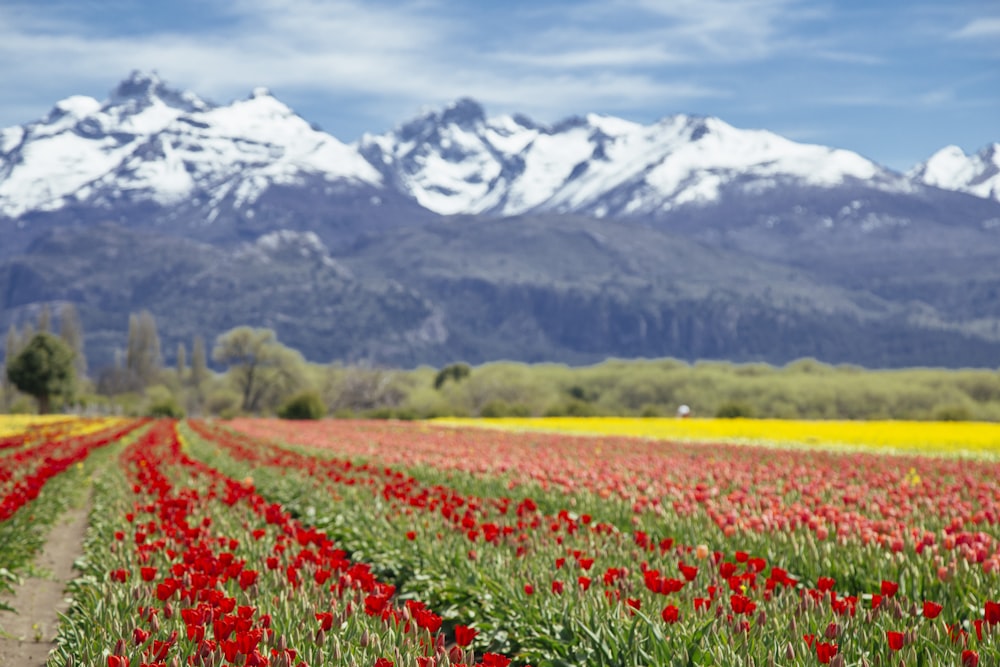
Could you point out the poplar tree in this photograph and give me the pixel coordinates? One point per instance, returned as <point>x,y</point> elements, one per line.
<point>13,345</point>
<point>143,358</point>
<point>71,331</point>
<point>11,348</point>
<point>45,319</point>
<point>199,364</point>
<point>181,362</point>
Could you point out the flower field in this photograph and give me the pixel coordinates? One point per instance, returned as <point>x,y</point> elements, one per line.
<point>267,542</point>
<point>952,438</point>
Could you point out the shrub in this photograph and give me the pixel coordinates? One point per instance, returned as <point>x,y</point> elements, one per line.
<point>304,405</point>
<point>734,410</point>
<point>571,408</point>
<point>379,413</point>
<point>650,410</point>
<point>500,408</point>
<point>455,372</point>
<point>952,413</point>
<point>166,407</point>
<point>223,402</point>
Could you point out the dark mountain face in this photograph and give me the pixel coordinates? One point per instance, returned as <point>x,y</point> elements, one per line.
<point>553,288</point>
<point>460,236</point>
<point>286,281</point>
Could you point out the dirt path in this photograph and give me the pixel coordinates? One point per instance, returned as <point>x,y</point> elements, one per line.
<point>27,636</point>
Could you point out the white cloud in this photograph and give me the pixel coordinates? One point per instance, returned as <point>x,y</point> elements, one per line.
<point>351,48</point>
<point>853,58</point>
<point>888,99</point>
<point>302,43</point>
<point>979,28</point>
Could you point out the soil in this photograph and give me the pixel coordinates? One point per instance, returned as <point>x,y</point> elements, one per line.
<point>26,637</point>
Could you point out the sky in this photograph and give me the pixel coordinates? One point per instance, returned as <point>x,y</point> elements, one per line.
<point>894,80</point>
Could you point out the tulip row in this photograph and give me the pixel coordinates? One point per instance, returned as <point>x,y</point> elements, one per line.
<point>952,438</point>
<point>38,481</point>
<point>25,471</point>
<point>25,433</point>
<point>947,507</point>
<point>185,565</point>
<point>12,425</point>
<point>564,575</point>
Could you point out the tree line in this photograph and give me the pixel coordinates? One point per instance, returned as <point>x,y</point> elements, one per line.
<point>51,369</point>
<point>255,374</point>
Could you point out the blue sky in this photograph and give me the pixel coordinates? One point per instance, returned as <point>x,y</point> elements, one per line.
<point>892,80</point>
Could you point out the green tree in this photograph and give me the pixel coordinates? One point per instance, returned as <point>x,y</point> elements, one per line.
<point>43,369</point>
<point>263,370</point>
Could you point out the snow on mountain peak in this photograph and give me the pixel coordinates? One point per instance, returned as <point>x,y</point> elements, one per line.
<point>77,106</point>
<point>950,168</point>
<point>465,112</point>
<point>459,161</point>
<point>150,142</point>
<point>142,89</point>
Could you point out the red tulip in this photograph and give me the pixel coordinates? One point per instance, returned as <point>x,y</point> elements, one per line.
<point>825,652</point>
<point>670,614</point>
<point>464,635</point>
<point>991,613</point>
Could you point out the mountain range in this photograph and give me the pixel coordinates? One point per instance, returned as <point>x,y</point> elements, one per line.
<point>457,235</point>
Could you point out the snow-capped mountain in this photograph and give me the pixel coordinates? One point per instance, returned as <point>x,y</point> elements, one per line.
<point>147,142</point>
<point>153,156</point>
<point>950,168</point>
<point>150,143</point>
<point>459,161</point>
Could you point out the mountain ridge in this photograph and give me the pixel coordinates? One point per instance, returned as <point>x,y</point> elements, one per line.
<point>502,165</point>
<point>450,206</point>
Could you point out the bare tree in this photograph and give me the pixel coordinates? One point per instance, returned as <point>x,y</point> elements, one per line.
<point>362,388</point>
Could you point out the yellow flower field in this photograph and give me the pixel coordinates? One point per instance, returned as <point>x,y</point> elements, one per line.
<point>13,424</point>
<point>969,438</point>
<point>67,425</point>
